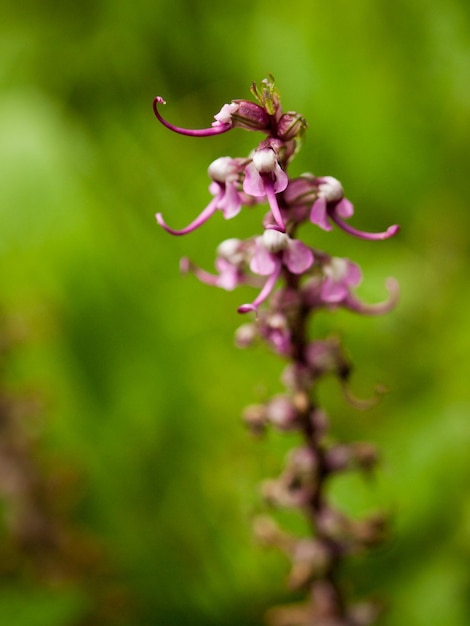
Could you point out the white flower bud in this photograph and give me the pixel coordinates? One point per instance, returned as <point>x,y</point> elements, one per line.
<point>265,160</point>
<point>222,168</point>
<point>275,241</point>
<point>331,189</point>
<point>336,268</point>
<point>231,250</point>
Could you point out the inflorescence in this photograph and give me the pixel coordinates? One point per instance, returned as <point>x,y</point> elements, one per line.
<point>294,281</point>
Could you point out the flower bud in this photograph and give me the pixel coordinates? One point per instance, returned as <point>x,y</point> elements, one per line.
<point>265,160</point>
<point>249,115</point>
<point>254,417</point>
<point>223,168</point>
<point>330,188</point>
<point>281,412</point>
<point>301,191</point>
<point>274,241</point>
<point>245,335</point>
<point>291,126</point>
<point>231,250</point>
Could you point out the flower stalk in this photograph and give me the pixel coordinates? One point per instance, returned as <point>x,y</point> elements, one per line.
<point>294,283</point>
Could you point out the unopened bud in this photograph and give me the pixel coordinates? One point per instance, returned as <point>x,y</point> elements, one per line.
<point>274,241</point>
<point>291,126</point>
<point>254,417</point>
<point>281,412</point>
<point>301,191</point>
<point>265,160</point>
<point>245,335</point>
<point>231,250</point>
<point>330,188</point>
<point>249,115</point>
<point>223,168</point>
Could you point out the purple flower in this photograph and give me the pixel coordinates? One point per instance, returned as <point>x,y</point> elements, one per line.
<point>334,289</point>
<point>265,177</point>
<point>273,251</point>
<point>331,204</point>
<point>340,276</point>
<point>230,263</point>
<point>225,173</point>
<point>237,114</point>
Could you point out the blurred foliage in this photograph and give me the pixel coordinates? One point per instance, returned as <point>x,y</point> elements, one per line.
<point>135,366</point>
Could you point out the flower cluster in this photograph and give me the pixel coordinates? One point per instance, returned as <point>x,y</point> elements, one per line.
<point>294,281</point>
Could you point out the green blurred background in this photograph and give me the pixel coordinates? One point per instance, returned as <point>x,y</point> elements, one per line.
<point>140,384</point>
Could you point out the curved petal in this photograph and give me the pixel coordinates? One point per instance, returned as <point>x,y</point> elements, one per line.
<point>201,219</point>
<point>253,183</point>
<point>264,293</point>
<point>333,291</point>
<point>263,262</point>
<point>390,232</point>
<point>231,202</point>
<point>344,208</point>
<point>281,180</point>
<point>354,304</point>
<point>229,275</point>
<point>354,274</point>
<point>204,132</point>
<point>297,257</point>
<point>319,215</point>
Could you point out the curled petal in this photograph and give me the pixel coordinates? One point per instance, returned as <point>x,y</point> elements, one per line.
<point>390,232</point>
<point>354,304</point>
<point>264,293</point>
<point>217,129</point>
<point>361,403</point>
<point>201,219</point>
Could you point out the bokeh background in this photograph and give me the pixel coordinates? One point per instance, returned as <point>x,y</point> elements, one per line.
<point>127,479</point>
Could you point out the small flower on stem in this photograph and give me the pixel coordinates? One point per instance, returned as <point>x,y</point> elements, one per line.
<point>225,173</point>
<point>230,263</point>
<point>340,276</point>
<point>331,204</point>
<point>265,177</point>
<point>273,251</point>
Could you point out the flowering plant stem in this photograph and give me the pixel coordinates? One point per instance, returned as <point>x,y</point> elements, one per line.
<point>295,281</point>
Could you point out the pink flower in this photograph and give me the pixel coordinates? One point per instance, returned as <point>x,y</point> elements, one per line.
<point>340,276</point>
<point>265,177</point>
<point>274,251</point>
<point>225,173</point>
<point>230,263</point>
<point>331,204</point>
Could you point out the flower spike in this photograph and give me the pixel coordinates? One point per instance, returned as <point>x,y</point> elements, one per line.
<point>216,129</point>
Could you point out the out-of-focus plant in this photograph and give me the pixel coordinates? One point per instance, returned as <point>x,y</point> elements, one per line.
<point>295,282</point>
<point>41,540</point>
